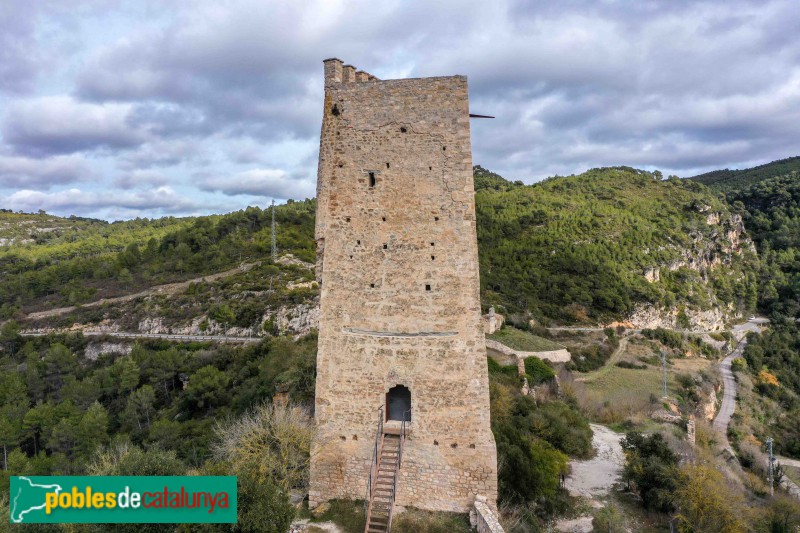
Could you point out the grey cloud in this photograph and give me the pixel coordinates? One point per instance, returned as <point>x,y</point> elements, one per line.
<point>684,86</point>
<point>61,125</point>
<point>44,173</point>
<point>139,178</point>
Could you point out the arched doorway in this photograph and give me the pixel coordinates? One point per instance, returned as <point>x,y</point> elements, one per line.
<point>398,403</point>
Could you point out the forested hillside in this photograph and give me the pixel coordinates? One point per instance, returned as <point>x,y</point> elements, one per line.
<point>733,180</point>
<point>595,246</point>
<point>771,211</point>
<point>56,262</point>
<point>587,248</point>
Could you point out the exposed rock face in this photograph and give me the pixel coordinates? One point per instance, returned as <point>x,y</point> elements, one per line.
<point>94,349</point>
<point>716,245</point>
<point>708,407</point>
<point>297,320</point>
<point>649,316</point>
<point>652,274</point>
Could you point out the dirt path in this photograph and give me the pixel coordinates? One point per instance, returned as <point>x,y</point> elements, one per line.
<point>606,368</point>
<point>595,478</point>
<point>170,288</point>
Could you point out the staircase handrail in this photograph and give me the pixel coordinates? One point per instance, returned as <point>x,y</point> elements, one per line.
<point>373,469</point>
<point>406,421</point>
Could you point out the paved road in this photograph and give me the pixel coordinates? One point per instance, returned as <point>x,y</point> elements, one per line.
<point>167,336</point>
<point>729,397</point>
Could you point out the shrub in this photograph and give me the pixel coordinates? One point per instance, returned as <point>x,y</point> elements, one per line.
<point>651,469</point>
<point>632,366</point>
<point>276,438</point>
<point>538,371</point>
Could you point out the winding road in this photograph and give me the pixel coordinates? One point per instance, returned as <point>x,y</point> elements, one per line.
<point>166,336</point>
<point>728,406</point>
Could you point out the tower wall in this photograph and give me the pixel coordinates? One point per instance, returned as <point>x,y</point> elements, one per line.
<point>398,265</point>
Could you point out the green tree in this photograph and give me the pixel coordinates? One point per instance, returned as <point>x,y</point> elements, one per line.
<point>651,468</point>
<point>208,387</point>
<point>37,424</point>
<point>93,429</point>
<point>59,362</point>
<point>126,372</point>
<point>140,405</point>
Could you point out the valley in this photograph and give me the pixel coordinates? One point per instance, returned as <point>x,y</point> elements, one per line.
<point>138,341</point>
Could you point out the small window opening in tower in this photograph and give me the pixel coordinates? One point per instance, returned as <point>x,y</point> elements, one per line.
<point>335,110</point>
<point>385,246</point>
<point>358,242</point>
<point>433,258</point>
<point>436,219</point>
<point>383,219</point>
<point>371,179</point>
<point>427,287</point>
<point>387,165</point>
<point>371,285</point>
<point>430,168</point>
<point>347,219</point>
<point>403,130</point>
<point>444,148</point>
<point>433,244</point>
<point>398,403</point>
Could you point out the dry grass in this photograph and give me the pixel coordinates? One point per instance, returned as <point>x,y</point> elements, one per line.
<point>517,339</point>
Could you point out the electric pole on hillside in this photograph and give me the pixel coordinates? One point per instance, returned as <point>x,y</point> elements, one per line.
<point>664,367</point>
<point>274,240</point>
<point>770,474</point>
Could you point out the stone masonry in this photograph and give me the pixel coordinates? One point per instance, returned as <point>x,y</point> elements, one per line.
<point>397,263</point>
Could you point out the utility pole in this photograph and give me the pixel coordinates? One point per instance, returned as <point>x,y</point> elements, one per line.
<point>770,475</point>
<point>274,240</point>
<point>664,367</point>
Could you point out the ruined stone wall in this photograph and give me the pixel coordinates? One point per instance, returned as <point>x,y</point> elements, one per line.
<point>399,302</point>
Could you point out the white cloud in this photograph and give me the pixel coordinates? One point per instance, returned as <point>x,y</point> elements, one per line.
<point>161,198</point>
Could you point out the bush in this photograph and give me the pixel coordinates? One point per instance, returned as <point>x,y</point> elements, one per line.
<point>538,371</point>
<point>497,368</point>
<point>557,423</point>
<point>275,438</point>
<point>651,469</point>
<point>632,366</point>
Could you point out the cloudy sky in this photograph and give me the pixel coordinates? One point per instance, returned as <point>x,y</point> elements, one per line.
<point>117,109</point>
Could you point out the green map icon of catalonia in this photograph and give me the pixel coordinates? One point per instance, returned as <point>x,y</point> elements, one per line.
<point>29,498</point>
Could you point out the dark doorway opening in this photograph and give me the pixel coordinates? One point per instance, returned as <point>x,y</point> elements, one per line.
<point>398,404</point>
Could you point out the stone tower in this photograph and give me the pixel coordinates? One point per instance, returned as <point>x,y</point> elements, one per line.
<point>400,323</point>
